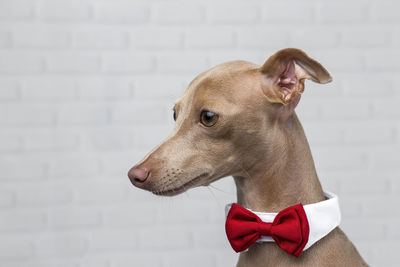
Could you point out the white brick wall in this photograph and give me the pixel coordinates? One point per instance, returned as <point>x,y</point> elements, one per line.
<point>86,90</point>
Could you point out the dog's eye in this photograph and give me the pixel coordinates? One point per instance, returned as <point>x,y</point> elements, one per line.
<point>174,115</point>
<point>208,118</point>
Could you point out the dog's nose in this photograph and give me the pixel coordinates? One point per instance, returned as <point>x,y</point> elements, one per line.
<point>138,175</point>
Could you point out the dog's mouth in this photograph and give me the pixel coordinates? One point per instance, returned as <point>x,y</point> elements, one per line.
<point>181,188</point>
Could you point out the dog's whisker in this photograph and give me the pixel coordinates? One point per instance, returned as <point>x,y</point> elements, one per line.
<point>215,198</point>
<point>246,172</point>
<point>220,190</point>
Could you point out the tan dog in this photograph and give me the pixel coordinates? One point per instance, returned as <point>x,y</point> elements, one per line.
<point>238,119</point>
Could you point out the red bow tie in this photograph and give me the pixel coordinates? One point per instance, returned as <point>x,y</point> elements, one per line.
<point>289,229</point>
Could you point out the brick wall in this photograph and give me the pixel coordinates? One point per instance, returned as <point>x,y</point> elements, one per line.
<point>86,89</point>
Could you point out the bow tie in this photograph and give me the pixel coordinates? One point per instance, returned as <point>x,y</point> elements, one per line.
<point>290,229</point>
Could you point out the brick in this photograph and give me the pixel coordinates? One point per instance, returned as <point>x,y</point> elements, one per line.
<point>393,232</point>
<point>385,12</point>
<point>363,183</point>
<point>9,89</point>
<point>10,142</point>
<point>340,61</point>
<point>100,193</point>
<point>77,167</point>
<point>111,140</point>
<point>12,169</point>
<point>179,13</point>
<point>384,61</point>
<point>112,240</point>
<point>148,137</point>
<point>7,199</point>
<point>219,56</point>
<point>54,89</point>
<point>121,13</point>
<point>168,237</point>
<point>395,37</point>
<point>149,259</point>
<point>122,217</point>
<point>392,182</point>
<point>20,62</point>
<point>157,87</point>
<point>339,158</point>
<point>118,163</point>
<point>227,257</point>
<point>111,39</point>
<point>18,9</point>
<point>21,114</point>
<point>178,63</point>
<point>181,213</point>
<point>127,63</point>
<point>261,38</point>
<point>308,110</point>
<point>357,233</point>
<point>156,39</point>
<point>355,85</point>
<point>51,141</point>
<point>340,13</point>
<point>72,218</point>
<point>109,88</point>
<point>93,262</point>
<point>194,259</point>
<point>138,113</point>
<point>73,10</point>
<point>43,196</point>
<point>38,38</point>
<point>316,92</point>
<point>347,110</point>
<point>21,221</point>
<point>15,249</point>
<point>80,114</point>
<point>365,38</point>
<point>385,256</point>
<point>322,133</point>
<point>73,62</point>
<point>45,263</point>
<point>309,39</point>
<point>350,207</point>
<point>212,236</point>
<point>385,157</point>
<point>206,38</point>
<point>60,246</point>
<point>385,108</point>
<point>242,14</point>
<point>378,205</point>
<point>288,13</point>
<point>329,179</point>
<point>366,251</point>
<point>365,133</point>
<point>5,39</point>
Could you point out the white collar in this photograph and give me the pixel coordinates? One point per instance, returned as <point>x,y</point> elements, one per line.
<point>323,217</point>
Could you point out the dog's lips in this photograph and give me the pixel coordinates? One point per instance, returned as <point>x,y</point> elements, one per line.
<point>181,188</point>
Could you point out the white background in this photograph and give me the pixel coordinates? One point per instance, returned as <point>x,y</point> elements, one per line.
<point>86,90</point>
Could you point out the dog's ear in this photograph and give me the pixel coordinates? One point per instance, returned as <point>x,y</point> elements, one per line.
<point>284,73</point>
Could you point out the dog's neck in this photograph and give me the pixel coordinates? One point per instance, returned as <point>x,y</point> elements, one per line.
<point>287,177</point>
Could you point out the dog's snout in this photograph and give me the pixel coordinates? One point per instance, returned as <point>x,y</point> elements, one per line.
<point>138,175</point>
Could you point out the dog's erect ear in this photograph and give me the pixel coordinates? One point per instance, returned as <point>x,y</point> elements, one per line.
<point>284,73</point>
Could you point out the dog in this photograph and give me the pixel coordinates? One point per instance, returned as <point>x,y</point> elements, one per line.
<point>238,119</point>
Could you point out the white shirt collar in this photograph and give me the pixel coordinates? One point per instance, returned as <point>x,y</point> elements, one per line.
<point>323,217</point>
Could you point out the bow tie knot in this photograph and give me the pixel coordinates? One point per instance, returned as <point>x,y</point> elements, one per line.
<point>290,229</point>
<point>264,228</point>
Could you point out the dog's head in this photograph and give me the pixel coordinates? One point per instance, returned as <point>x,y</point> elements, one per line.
<point>227,121</point>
